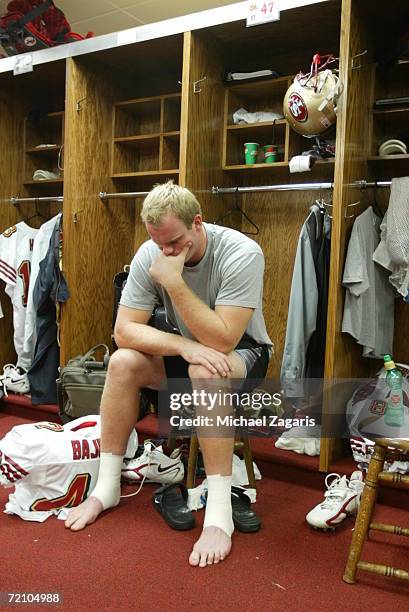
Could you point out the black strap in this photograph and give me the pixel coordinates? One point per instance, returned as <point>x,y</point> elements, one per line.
<point>35,12</point>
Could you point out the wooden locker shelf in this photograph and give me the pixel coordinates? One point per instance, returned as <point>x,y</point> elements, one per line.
<point>258,167</point>
<point>146,136</point>
<point>47,130</point>
<point>44,150</point>
<point>388,158</point>
<point>390,122</point>
<point>256,96</point>
<point>58,181</point>
<point>398,112</point>
<point>262,126</point>
<point>151,173</point>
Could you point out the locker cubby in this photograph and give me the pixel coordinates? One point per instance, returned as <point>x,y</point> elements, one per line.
<point>390,121</point>
<point>136,154</point>
<point>146,135</point>
<point>253,97</point>
<point>137,117</point>
<point>263,134</point>
<point>171,113</point>
<point>43,146</point>
<point>170,151</point>
<point>257,96</point>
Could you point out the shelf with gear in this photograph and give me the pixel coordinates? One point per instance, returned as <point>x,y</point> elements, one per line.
<point>390,119</point>
<point>43,152</point>
<point>253,113</point>
<point>307,102</point>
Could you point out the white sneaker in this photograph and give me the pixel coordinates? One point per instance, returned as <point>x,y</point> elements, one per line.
<point>154,466</point>
<point>14,379</point>
<point>357,483</point>
<point>341,500</point>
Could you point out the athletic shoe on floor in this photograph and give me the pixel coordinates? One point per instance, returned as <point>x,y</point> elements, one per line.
<point>155,466</point>
<point>341,500</point>
<point>14,379</point>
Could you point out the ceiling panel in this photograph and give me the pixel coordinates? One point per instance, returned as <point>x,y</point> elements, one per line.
<point>124,4</point>
<point>156,10</point>
<point>104,24</point>
<point>105,16</point>
<point>77,10</point>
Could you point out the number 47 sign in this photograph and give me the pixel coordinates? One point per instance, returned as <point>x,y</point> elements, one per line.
<point>262,12</point>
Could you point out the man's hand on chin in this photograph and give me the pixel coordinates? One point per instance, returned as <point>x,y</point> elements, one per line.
<point>166,269</point>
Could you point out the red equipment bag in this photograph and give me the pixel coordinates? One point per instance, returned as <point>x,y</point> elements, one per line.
<point>30,25</point>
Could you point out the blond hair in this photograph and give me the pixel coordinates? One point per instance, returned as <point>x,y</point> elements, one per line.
<point>170,198</point>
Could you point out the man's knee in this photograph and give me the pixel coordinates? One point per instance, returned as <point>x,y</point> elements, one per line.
<point>127,362</point>
<point>202,373</point>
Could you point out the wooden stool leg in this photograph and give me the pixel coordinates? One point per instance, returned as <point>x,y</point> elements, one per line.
<point>192,462</point>
<point>365,512</point>
<point>248,459</point>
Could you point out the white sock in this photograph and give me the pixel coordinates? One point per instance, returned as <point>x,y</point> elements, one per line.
<point>108,487</point>
<point>218,506</point>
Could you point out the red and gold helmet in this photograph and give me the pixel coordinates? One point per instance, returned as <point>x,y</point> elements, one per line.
<point>310,102</point>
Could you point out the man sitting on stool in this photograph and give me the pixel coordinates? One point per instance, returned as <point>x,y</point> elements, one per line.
<point>210,280</point>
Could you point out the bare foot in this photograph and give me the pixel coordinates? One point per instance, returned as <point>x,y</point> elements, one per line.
<point>213,546</point>
<point>84,514</point>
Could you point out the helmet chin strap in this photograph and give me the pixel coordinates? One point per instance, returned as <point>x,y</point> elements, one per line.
<point>319,62</point>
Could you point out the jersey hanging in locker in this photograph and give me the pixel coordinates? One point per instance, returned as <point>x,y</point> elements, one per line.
<point>16,248</point>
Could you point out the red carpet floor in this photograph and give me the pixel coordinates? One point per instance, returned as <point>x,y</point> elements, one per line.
<point>131,560</point>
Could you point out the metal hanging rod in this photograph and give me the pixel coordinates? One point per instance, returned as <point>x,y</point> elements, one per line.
<point>129,194</point>
<point>15,201</point>
<point>297,187</point>
<point>369,184</point>
<point>285,187</point>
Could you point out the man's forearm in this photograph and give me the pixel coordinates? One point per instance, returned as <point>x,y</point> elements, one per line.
<point>148,340</point>
<point>203,322</point>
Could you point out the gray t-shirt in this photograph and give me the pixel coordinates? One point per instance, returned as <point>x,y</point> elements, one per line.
<point>230,274</point>
<point>369,299</point>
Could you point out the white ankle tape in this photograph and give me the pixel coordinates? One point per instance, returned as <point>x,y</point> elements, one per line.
<point>218,506</point>
<point>108,487</point>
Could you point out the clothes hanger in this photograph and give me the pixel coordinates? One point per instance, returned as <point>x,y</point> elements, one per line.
<point>36,214</point>
<point>375,206</point>
<point>237,208</point>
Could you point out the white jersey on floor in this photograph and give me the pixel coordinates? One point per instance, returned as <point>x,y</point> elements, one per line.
<point>16,247</point>
<point>41,244</point>
<point>52,466</point>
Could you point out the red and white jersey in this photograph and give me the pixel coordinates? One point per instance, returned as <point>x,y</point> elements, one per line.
<point>52,466</point>
<point>362,450</point>
<point>16,248</point>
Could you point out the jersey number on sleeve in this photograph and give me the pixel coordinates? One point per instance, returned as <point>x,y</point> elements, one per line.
<point>76,493</point>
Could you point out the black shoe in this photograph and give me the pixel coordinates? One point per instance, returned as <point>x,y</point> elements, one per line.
<point>244,518</point>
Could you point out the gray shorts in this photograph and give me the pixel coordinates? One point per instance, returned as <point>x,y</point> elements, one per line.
<point>255,357</point>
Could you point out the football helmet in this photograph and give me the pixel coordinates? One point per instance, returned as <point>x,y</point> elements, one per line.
<point>310,102</point>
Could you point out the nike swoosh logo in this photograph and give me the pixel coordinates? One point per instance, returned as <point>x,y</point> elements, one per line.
<point>166,469</point>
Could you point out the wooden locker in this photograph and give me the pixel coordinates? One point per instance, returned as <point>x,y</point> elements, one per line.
<point>41,93</point>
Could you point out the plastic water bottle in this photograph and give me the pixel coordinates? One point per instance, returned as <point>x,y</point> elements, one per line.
<point>394,413</point>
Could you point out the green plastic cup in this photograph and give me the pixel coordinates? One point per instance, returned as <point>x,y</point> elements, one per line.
<point>251,152</point>
<point>270,154</point>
